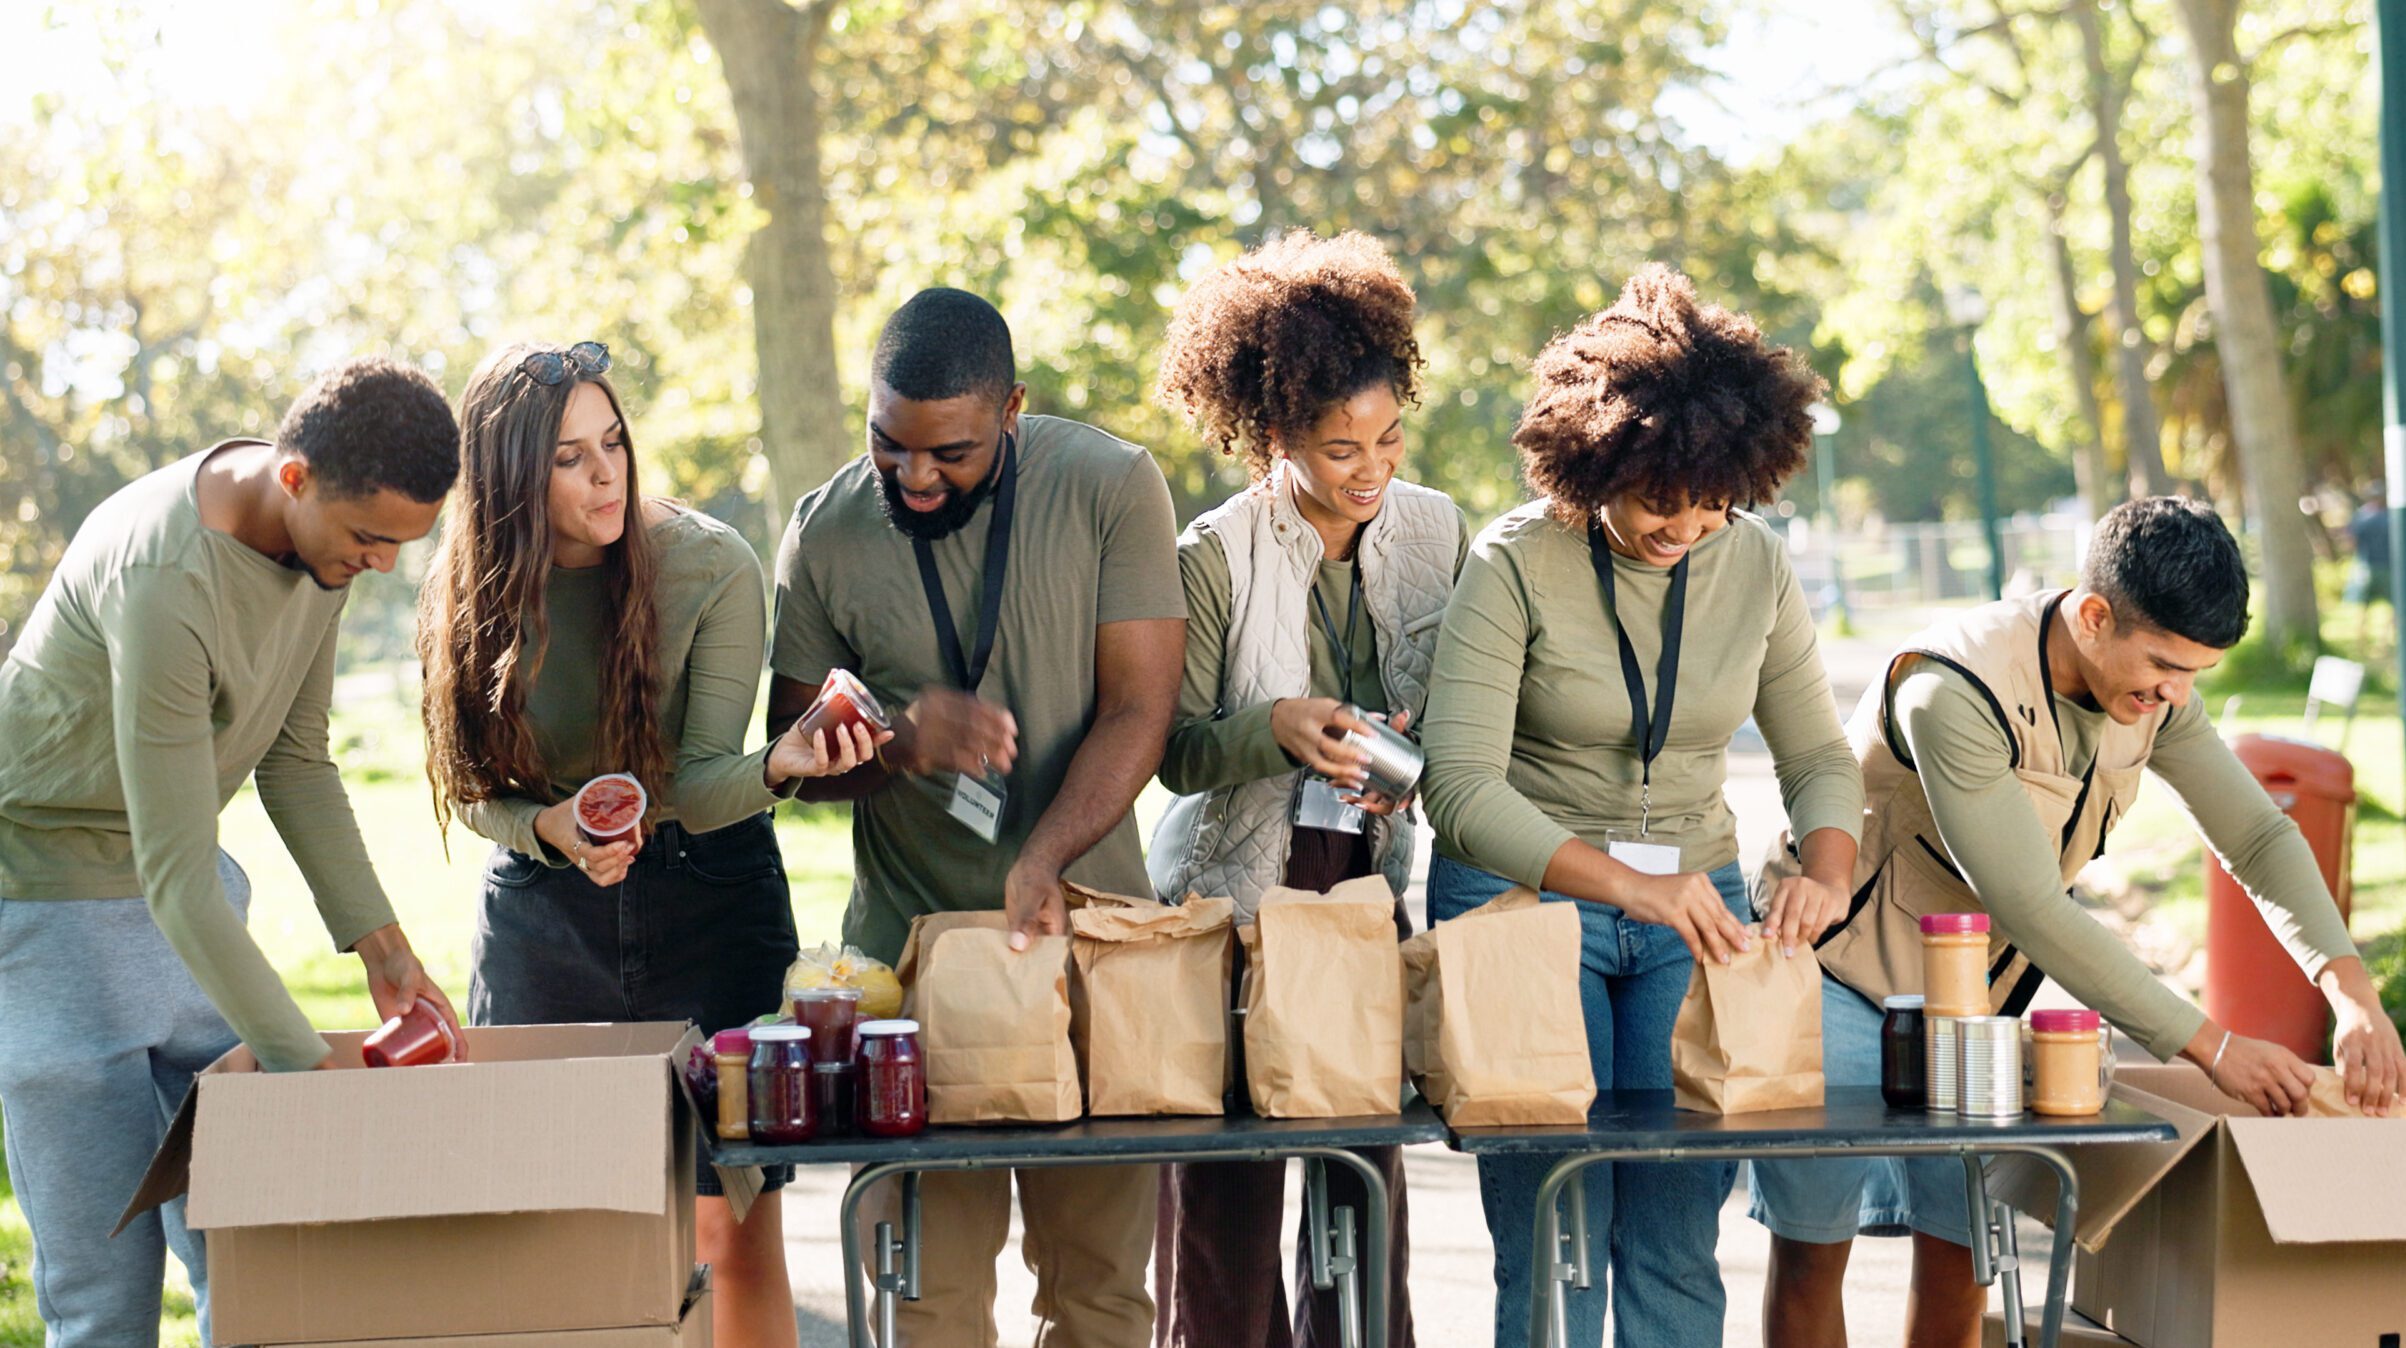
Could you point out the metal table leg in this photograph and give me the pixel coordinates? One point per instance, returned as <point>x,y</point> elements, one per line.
<point>1330,1240</point>
<point>1552,1273</point>
<point>898,1265</point>
<point>1996,1248</point>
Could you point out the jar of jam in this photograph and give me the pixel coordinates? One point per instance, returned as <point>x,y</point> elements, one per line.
<point>893,1079</point>
<point>732,1050</point>
<point>834,1096</point>
<point>2070,1069</point>
<point>844,702</point>
<point>831,1014</point>
<point>1954,964</point>
<point>1904,1077</point>
<point>415,1038</point>
<point>780,1085</point>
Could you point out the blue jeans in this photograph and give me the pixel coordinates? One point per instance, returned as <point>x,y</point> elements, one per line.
<point>1651,1227</point>
<point>1829,1202</point>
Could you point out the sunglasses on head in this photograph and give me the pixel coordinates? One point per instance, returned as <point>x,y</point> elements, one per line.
<point>550,367</point>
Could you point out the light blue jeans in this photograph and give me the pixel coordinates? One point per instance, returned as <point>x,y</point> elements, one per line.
<point>1829,1202</point>
<point>101,1032</point>
<point>1651,1227</point>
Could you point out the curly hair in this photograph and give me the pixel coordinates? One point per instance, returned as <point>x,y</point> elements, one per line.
<point>1665,396</point>
<point>1266,344</point>
<point>372,424</point>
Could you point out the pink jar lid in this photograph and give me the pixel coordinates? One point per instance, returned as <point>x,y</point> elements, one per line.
<point>1951,923</point>
<point>732,1041</point>
<point>2064,1022</point>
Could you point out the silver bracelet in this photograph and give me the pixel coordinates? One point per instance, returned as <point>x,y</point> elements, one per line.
<point>2214,1073</point>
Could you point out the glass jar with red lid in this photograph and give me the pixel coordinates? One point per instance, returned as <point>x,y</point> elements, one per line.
<point>893,1079</point>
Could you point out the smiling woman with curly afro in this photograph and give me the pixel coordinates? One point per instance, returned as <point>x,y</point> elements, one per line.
<point>1603,646</point>
<point>1313,599</point>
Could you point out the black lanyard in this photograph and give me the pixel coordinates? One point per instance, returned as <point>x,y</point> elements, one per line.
<point>969,671</point>
<point>1652,731</point>
<point>1343,644</point>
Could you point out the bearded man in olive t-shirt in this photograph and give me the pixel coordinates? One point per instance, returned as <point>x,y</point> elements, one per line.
<point>1010,582</point>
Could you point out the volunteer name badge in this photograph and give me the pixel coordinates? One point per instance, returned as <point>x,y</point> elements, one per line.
<point>978,803</point>
<point>1646,858</point>
<point>1318,805</point>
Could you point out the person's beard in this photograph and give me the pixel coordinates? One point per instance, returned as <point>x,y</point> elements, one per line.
<point>930,525</point>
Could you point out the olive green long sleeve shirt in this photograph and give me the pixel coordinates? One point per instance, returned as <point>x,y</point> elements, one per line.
<point>1529,728</point>
<point>712,604</point>
<point>1990,828</point>
<point>164,664</point>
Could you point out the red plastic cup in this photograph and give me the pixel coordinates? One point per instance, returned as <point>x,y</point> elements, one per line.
<point>609,807</point>
<point>414,1038</point>
<point>844,702</point>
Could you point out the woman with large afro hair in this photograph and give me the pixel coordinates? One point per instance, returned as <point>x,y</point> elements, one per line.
<point>1604,645</point>
<point>1313,602</point>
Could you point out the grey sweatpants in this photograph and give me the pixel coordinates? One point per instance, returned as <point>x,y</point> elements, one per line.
<point>101,1031</point>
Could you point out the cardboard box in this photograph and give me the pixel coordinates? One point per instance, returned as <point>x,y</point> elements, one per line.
<point>692,1330</point>
<point>544,1185</point>
<point>2243,1231</point>
<point>2078,1331</point>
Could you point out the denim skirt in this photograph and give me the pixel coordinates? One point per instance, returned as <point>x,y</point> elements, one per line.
<point>701,929</point>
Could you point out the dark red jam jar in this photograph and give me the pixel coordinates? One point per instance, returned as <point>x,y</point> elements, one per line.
<point>1904,1080</point>
<point>780,1085</point>
<point>834,1093</point>
<point>893,1079</point>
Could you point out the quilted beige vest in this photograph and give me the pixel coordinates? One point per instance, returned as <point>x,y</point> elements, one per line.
<point>1233,841</point>
<point>1903,870</point>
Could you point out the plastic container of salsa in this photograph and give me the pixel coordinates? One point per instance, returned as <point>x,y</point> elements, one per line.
<point>843,702</point>
<point>831,1014</point>
<point>415,1038</point>
<point>609,807</point>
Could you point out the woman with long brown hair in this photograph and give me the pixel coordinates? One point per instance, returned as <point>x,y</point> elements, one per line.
<point>569,627</point>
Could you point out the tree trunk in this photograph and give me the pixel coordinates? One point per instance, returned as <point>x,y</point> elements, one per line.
<point>2142,438</point>
<point>769,49</point>
<point>2072,334</point>
<point>2246,337</point>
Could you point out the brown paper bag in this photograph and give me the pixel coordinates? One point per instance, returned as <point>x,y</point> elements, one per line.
<point>1324,1003</point>
<point>1493,1030</point>
<point>2328,1098</point>
<point>1149,1004</point>
<point>1749,1033</point>
<point>993,1021</point>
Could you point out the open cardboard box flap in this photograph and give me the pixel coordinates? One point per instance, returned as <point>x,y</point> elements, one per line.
<point>586,1125</point>
<point>2317,1180</point>
<point>2113,1178</point>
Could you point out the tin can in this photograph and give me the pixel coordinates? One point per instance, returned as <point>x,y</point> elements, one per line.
<point>1941,1061</point>
<point>1990,1077</point>
<point>1395,761</point>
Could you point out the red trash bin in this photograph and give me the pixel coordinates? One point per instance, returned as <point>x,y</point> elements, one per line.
<point>2252,985</point>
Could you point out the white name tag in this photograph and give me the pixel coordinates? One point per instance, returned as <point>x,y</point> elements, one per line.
<point>1644,857</point>
<point>1318,805</point>
<point>979,804</point>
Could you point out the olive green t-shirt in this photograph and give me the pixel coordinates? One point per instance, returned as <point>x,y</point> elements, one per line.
<point>1207,750</point>
<point>165,663</point>
<point>712,610</point>
<point>1093,541</point>
<point>1965,763</point>
<point>1528,732</point>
